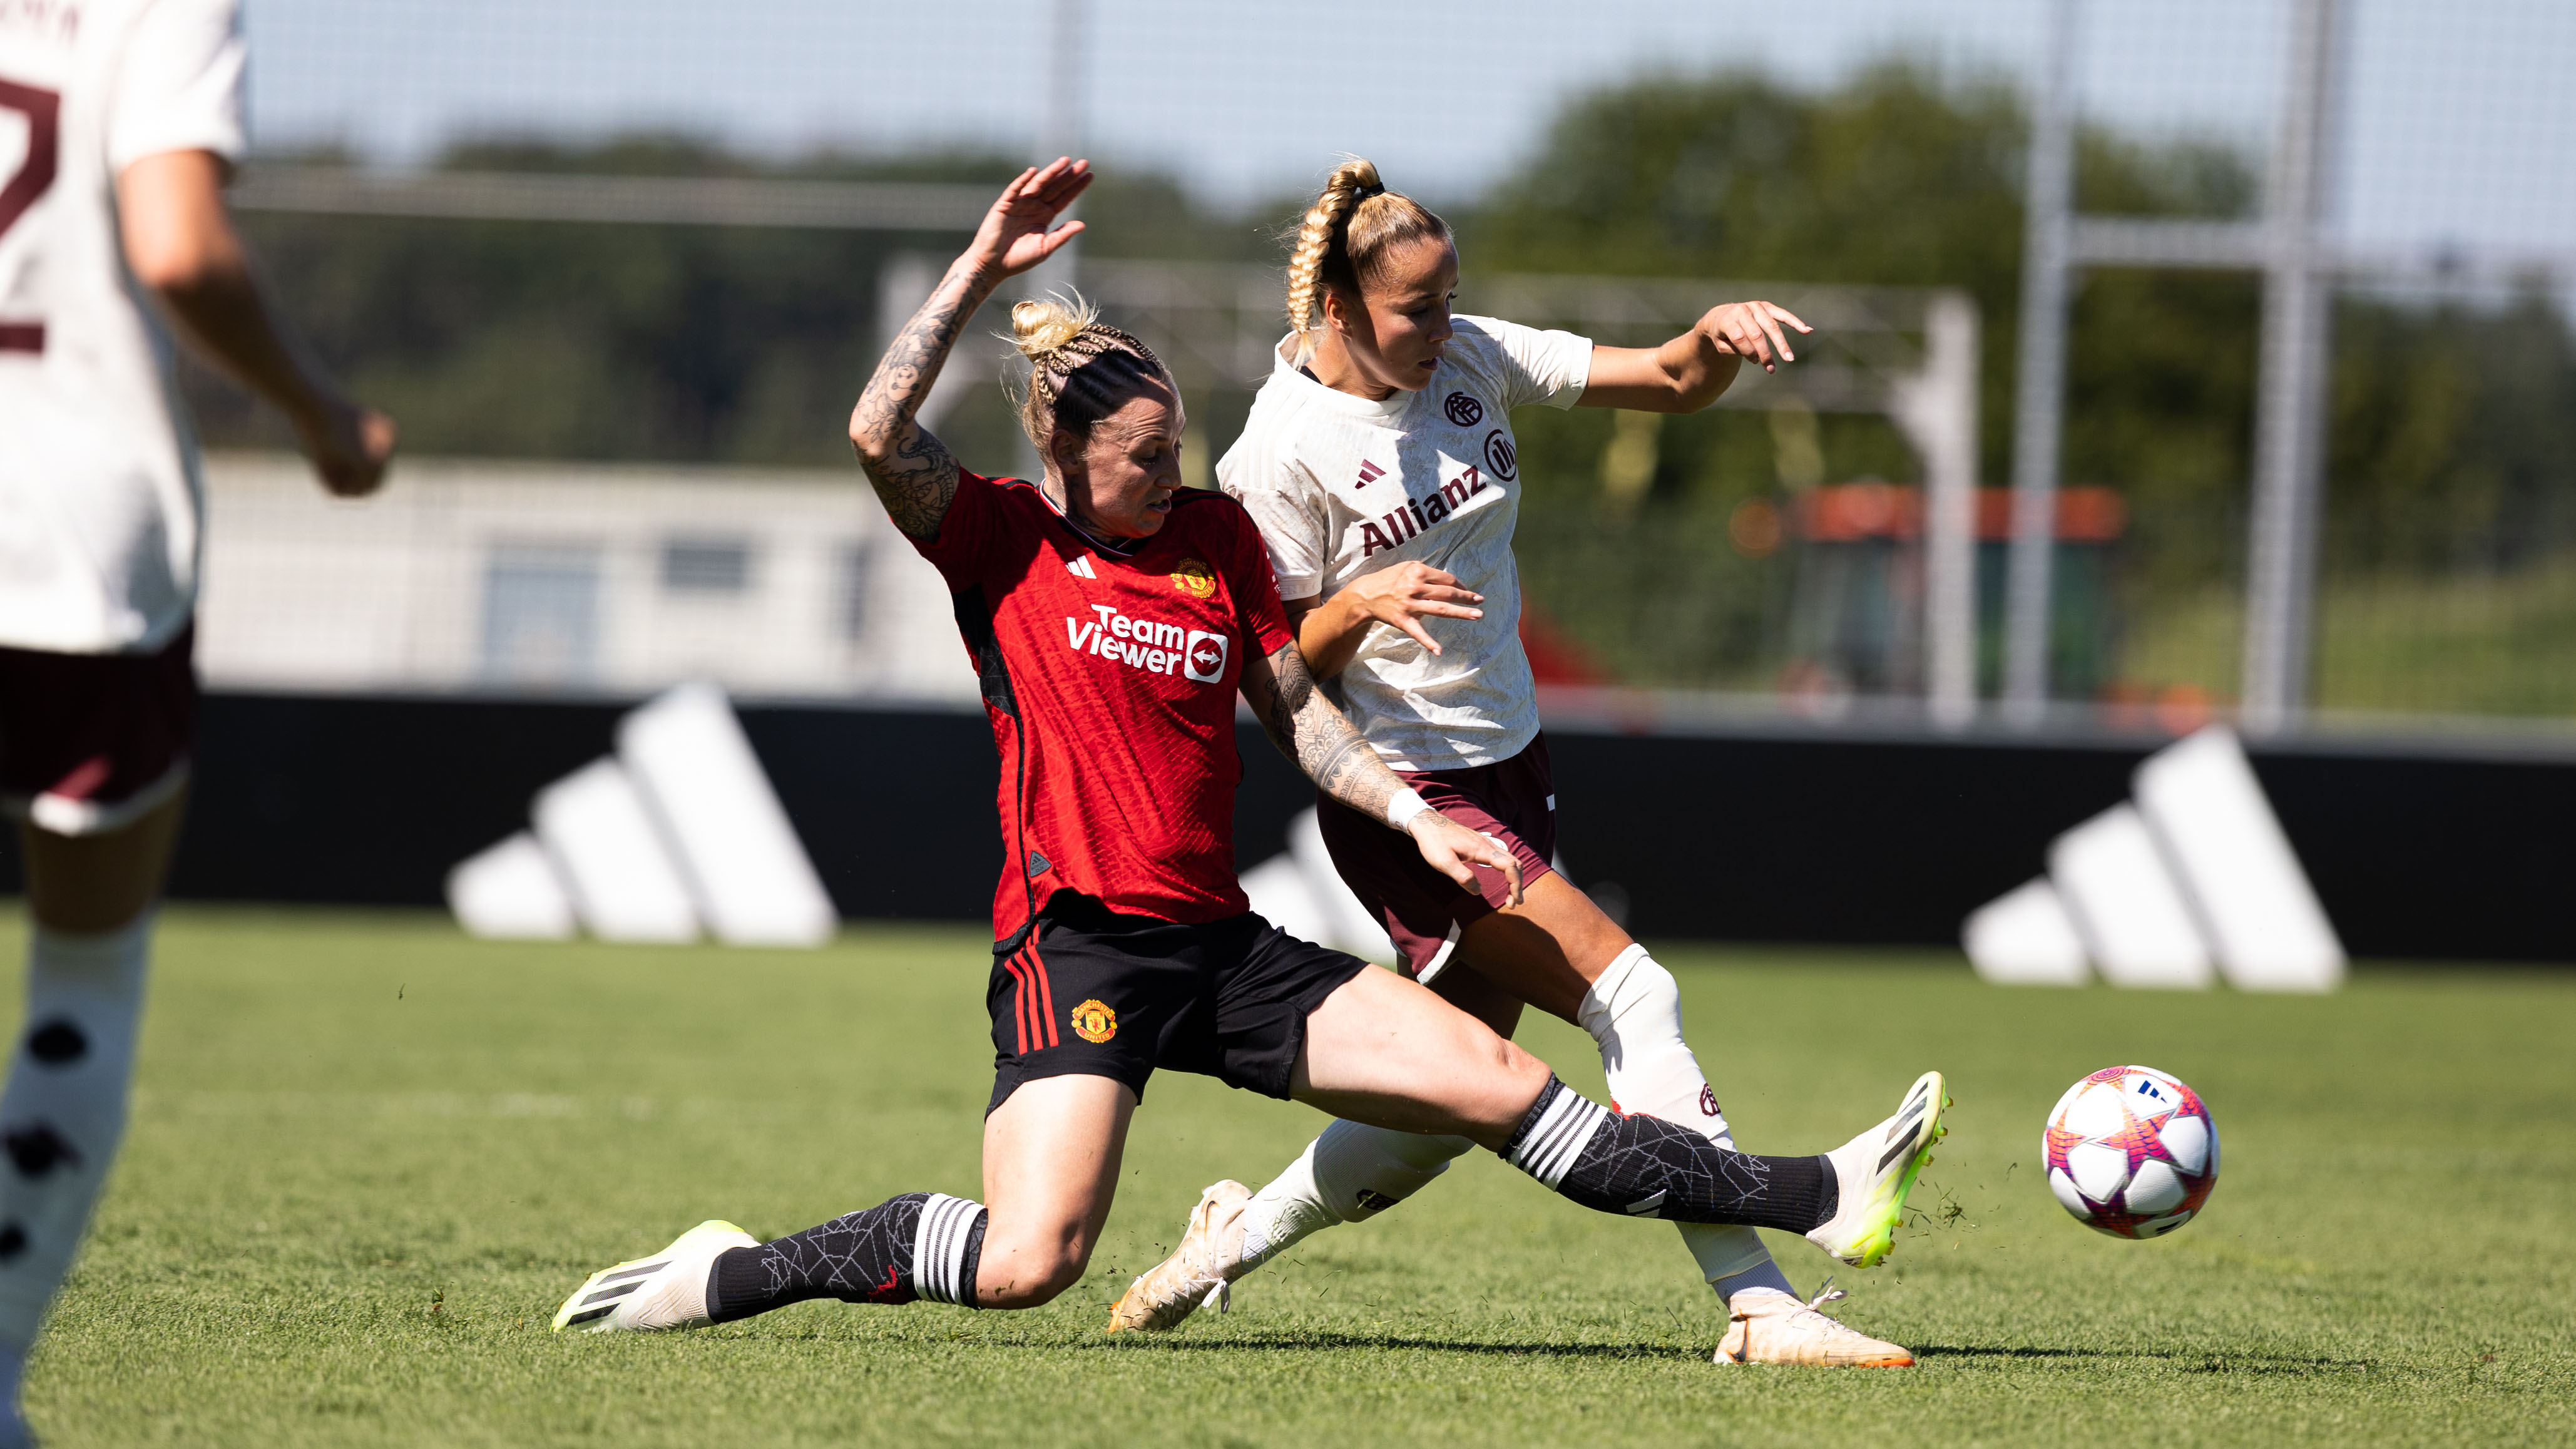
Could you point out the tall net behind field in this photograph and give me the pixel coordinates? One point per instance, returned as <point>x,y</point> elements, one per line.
<point>1854,145</point>
<point>2445,543</point>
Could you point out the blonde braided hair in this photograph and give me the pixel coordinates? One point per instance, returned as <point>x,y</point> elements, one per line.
<point>1342,239</point>
<point>1081,369</point>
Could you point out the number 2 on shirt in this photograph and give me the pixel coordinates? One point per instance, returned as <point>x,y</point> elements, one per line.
<point>35,174</point>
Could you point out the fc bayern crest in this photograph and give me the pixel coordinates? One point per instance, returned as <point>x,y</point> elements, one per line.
<point>1500,459</point>
<point>1463,410</point>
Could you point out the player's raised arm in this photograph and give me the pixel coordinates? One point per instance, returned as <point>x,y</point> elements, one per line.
<point>1692,370</point>
<point>179,241</point>
<point>914,473</point>
<point>1308,730</point>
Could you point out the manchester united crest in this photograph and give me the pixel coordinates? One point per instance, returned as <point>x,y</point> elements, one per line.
<point>1094,1022</point>
<point>1193,577</point>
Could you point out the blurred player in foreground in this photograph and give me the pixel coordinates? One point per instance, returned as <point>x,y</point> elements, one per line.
<point>1112,616</point>
<point>131,113</point>
<point>1380,465</point>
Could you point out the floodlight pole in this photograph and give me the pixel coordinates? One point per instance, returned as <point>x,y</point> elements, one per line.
<point>2040,374</point>
<point>2289,426</point>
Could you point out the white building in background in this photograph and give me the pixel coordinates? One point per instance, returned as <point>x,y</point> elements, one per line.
<point>569,578</point>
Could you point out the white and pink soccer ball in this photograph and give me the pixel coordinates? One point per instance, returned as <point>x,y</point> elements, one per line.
<point>2131,1152</point>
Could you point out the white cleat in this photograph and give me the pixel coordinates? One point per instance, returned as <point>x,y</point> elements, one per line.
<point>1875,1171</point>
<point>1197,1274</point>
<point>666,1290</point>
<point>1765,1326</point>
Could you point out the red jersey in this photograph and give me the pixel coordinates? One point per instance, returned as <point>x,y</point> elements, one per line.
<point>1110,683</point>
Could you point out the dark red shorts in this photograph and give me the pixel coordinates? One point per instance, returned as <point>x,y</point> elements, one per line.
<point>1424,911</point>
<point>89,743</point>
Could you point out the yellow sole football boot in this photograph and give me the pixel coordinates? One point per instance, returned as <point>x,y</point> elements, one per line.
<point>666,1290</point>
<point>1875,1171</point>
<point>1198,1271</point>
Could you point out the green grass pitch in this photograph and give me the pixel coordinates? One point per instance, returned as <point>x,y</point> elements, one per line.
<point>369,1157</point>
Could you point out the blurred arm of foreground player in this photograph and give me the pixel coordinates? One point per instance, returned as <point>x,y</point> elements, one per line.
<point>914,473</point>
<point>180,243</point>
<point>1308,730</point>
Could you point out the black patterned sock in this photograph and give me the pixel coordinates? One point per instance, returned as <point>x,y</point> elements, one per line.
<point>1647,1167</point>
<point>920,1245</point>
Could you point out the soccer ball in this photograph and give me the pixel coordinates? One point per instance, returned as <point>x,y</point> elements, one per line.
<point>2131,1152</point>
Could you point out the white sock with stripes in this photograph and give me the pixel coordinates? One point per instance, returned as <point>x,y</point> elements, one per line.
<point>63,1112</point>
<point>941,1258</point>
<point>1634,1012</point>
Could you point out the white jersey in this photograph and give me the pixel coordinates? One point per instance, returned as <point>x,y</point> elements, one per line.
<point>99,496</point>
<point>1342,486</point>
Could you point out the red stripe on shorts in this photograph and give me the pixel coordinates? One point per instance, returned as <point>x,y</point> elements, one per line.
<point>1046,991</point>
<point>1019,1000</point>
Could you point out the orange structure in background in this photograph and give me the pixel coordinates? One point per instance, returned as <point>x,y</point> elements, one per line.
<point>1851,512</point>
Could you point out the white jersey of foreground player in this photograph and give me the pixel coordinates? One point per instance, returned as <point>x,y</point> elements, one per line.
<point>99,495</point>
<point>1343,486</point>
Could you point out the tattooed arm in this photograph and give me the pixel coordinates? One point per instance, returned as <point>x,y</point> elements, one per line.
<point>914,473</point>
<point>1310,731</point>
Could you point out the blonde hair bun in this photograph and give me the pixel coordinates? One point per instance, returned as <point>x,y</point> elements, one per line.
<point>1340,239</point>
<point>1041,326</point>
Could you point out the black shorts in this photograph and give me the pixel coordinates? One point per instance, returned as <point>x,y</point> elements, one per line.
<point>90,743</point>
<point>1095,992</point>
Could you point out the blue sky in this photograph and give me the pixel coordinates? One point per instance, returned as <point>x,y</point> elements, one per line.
<point>2455,130</point>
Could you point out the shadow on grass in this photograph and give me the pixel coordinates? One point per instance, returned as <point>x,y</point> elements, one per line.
<point>2197,1363</point>
<point>1333,1342</point>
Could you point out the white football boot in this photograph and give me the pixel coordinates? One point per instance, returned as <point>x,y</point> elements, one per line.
<point>1765,1326</point>
<point>1875,1171</point>
<point>1197,1274</point>
<point>666,1290</point>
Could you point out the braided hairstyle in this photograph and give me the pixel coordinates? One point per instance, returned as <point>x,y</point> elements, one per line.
<point>1081,369</point>
<point>1343,239</point>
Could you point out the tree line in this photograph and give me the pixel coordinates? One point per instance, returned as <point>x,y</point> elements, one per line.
<point>2452,432</point>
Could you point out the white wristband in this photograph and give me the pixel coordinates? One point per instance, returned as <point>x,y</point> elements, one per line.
<point>1407,803</point>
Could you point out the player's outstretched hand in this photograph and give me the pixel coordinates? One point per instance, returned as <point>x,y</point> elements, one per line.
<point>1752,329</point>
<point>350,446</point>
<point>1452,848</point>
<point>1014,236</point>
<point>1410,592</point>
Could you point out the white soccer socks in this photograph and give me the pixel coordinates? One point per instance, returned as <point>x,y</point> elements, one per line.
<point>1634,1011</point>
<point>64,1110</point>
<point>1346,1175</point>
